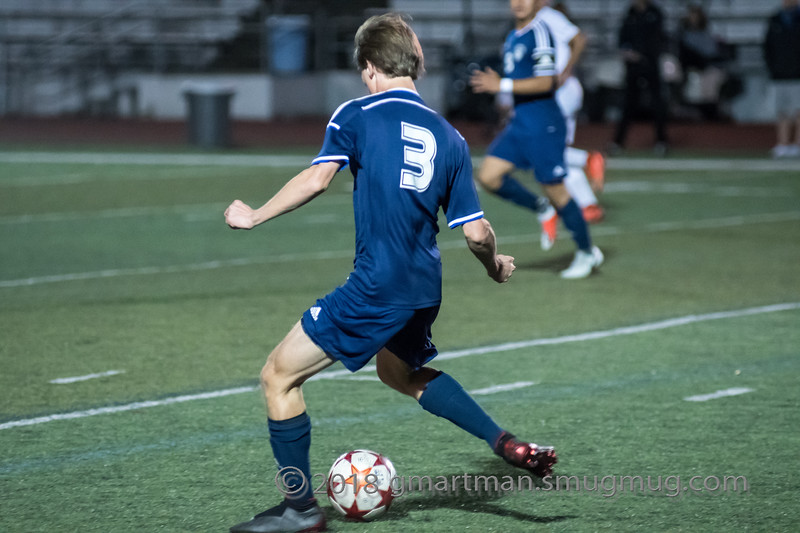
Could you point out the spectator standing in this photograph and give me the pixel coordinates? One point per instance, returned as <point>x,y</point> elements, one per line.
<point>641,41</point>
<point>782,55</point>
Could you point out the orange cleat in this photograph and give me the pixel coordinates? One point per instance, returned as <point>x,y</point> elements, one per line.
<point>596,171</point>
<point>593,214</point>
<point>549,222</point>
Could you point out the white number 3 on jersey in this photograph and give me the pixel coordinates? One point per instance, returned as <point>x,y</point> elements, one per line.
<point>419,155</point>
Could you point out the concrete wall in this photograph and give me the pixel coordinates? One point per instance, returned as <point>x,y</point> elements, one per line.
<point>258,96</point>
<point>757,102</point>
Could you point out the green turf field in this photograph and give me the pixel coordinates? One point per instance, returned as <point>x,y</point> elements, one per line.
<point>122,268</point>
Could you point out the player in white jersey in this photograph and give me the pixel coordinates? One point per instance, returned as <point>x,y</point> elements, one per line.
<point>569,43</point>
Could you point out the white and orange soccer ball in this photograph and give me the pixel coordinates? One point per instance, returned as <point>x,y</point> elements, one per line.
<point>360,484</point>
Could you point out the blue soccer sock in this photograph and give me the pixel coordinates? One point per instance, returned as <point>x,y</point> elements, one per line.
<point>446,398</point>
<point>573,220</point>
<point>291,441</point>
<point>513,191</point>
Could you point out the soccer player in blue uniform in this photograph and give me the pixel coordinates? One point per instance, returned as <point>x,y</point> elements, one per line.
<point>536,135</point>
<point>407,162</point>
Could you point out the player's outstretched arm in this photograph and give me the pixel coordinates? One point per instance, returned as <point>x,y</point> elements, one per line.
<point>300,190</point>
<point>488,81</point>
<point>483,244</point>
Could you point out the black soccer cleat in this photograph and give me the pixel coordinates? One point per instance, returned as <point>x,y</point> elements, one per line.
<point>284,519</point>
<point>538,460</point>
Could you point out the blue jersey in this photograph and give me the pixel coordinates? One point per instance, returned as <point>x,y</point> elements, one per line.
<point>528,53</point>
<point>407,161</point>
<point>535,138</point>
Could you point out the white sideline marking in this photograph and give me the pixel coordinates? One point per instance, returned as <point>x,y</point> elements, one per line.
<point>719,394</point>
<point>98,158</point>
<point>642,328</point>
<point>502,388</point>
<point>738,165</point>
<point>475,392</point>
<point>122,212</point>
<point>126,407</point>
<point>61,381</point>
<point>275,160</point>
<point>676,187</point>
<point>337,254</point>
<point>629,330</point>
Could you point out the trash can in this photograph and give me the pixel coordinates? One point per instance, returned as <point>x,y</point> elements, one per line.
<point>287,40</point>
<point>208,108</point>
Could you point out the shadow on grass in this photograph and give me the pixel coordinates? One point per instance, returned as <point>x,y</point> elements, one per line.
<point>449,491</point>
<point>557,263</point>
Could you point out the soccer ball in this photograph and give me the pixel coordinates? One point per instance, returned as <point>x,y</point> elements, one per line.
<point>360,484</point>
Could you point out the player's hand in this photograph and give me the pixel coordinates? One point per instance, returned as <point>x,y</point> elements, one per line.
<point>485,81</point>
<point>239,215</point>
<point>505,267</point>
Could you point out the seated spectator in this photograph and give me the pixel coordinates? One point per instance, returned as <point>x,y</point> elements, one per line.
<point>704,59</point>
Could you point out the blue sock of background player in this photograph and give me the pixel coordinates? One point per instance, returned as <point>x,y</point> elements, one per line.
<point>573,220</point>
<point>513,191</point>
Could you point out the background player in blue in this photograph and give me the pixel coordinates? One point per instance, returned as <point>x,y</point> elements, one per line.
<point>535,136</point>
<point>407,162</point>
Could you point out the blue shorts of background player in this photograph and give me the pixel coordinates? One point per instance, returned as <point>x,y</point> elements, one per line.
<point>353,331</point>
<point>535,140</point>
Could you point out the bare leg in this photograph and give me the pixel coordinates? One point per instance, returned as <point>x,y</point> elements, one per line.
<point>492,171</point>
<point>395,373</point>
<point>292,362</point>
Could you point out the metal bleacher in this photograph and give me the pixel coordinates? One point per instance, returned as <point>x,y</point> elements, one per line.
<point>61,56</point>
<point>70,54</point>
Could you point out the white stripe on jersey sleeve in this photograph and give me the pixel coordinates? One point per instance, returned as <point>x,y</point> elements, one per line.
<point>332,158</point>
<point>464,220</point>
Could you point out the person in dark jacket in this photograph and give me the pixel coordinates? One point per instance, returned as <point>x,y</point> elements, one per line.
<point>782,55</point>
<point>641,41</point>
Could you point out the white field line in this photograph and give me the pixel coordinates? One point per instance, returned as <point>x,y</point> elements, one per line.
<point>340,254</point>
<point>110,158</point>
<point>476,392</point>
<point>719,394</point>
<point>641,328</point>
<point>188,213</point>
<point>670,186</point>
<point>126,407</point>
<point>123,212</point>
<point>213,211</point>
<point>62,381</point>
<point>627,330</point>
<point>683,165</point>
<point>502,388</point>
<point>255,160</point>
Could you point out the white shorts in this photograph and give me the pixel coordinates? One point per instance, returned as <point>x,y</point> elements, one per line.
<point>787,97</point>
<point>570,99</point>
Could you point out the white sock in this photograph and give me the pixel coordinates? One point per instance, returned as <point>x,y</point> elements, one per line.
<point>575,157</point>
<point>579,188</point>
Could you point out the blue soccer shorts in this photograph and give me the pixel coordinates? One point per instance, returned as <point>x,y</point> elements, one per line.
<point>535,139</point>
<point>353,331</point>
